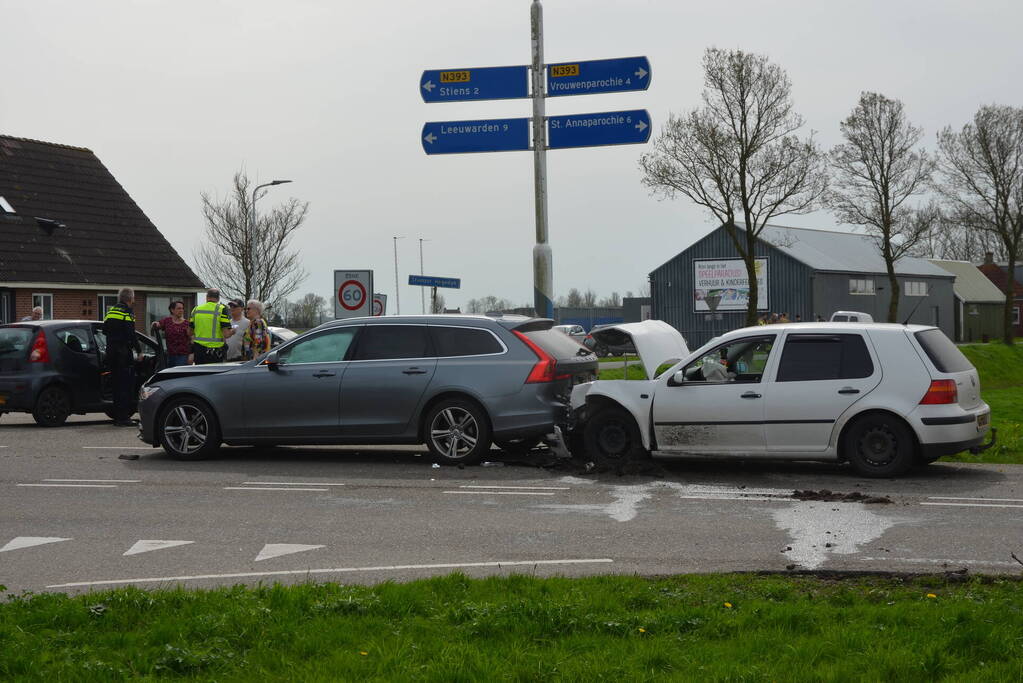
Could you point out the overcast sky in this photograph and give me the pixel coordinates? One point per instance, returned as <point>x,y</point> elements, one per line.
<point>174,97</point>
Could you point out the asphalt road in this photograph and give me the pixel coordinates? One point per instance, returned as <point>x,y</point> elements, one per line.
<point>88,506</point>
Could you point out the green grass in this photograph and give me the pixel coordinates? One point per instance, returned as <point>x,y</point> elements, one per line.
<point>706,627</point>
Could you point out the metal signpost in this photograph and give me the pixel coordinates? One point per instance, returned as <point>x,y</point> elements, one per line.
<point>559,132</point>
<point>433,283</point>
<point>352,293</point>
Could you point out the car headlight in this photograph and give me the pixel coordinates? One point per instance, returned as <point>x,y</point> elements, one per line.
<point>147,391</point>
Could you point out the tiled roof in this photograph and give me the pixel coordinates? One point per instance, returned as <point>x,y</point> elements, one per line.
<point>107,239</point>
<point>998,275</point>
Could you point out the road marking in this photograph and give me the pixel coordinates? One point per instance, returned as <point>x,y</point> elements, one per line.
<point>29,541</point>
<point>271,550</point>
<point>121,448</point>
<point>100,481</point>
<point>542,488</point>
<point>288,483</point>
<point>74,486</point>
<point>338,570</point>
<point>985,500</point>
<point>931,560</point>
<point>266,488</point>
<point>148,546</point>
<point>973,505</point>
<point>502,493</point>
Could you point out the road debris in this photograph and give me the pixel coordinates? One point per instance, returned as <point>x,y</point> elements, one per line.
<point>854,497</point>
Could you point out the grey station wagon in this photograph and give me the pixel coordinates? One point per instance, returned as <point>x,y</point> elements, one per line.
<point>456,383</point>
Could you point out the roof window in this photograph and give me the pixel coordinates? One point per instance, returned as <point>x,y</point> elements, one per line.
<point>5,206</point>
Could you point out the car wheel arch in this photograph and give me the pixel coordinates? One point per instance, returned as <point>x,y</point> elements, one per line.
<point>597,402</point>
<point>853,419</point>
<point>176,396</point>
<point>445,396</point>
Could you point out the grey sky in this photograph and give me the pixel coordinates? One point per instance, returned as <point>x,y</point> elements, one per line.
<point>174,97</point>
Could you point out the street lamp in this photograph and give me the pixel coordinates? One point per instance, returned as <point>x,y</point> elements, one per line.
<point>251,285</point>
<point>397,299</point>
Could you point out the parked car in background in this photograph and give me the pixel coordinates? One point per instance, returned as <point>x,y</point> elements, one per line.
<point>456,383</point>
<point>882,397</point>
<point>576,332</point>
<point>851,317</point>
<point>279,335</point>
<point>612,342</point>
<point>56,368</point>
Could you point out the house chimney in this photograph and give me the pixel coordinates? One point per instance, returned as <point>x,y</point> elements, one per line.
<point>989,258</point>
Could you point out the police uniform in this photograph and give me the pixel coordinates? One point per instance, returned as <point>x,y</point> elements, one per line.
<point>208,323</point>
<point>122,348</point>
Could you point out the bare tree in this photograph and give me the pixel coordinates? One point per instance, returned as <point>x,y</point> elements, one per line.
<point>950,239</point>
<point>437,303</point>
<point>877,170</point>
<point>249,260</point>
<point>589,298</point>
<point>737,155</point>
<point>574,299</point>
<point>309,311</point>
<point>613,301</point>
<point>487,304</point>
<point>982,182</point>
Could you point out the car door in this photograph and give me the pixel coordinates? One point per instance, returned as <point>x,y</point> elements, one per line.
<point>719,407</point>
<point>79,364</point>
<point>300,397</point>
<point>819,377</point>
<point>385,382</point>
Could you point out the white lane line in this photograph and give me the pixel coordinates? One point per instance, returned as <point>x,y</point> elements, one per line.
<point>973,505</point>
<point>339,570</point>
<point>121,448</point>
<point>73,486</point>
<point>288,483</point>
<point>29,541</point>
<point>149,546</point>
<point>983,500</point>
<point>502,493</point>
<point>4,446</point>
<point>932,560</point>
<point>540,488</point>
<point>99,481</point>
<point>266,488</point>
<point>278,549</point>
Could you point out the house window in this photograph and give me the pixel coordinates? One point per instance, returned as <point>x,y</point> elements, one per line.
<point>106,302</point>
<point>1015,315</point>
<point>916,288</point>
<point>46,301</point>
<point>861,286</point>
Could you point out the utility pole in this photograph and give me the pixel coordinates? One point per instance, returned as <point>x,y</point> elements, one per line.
<point>543,269</point>
<point>397,300</point>
<point>422,291</point>
<point>250,281</point>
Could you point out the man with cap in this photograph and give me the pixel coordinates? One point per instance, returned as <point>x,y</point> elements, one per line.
<point>239,323</point>
<point>211,327</point>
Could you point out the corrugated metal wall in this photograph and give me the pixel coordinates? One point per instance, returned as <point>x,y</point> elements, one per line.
<point>588,317</point>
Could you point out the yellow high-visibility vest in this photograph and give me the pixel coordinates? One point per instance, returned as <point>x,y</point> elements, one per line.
<point>207,321</point>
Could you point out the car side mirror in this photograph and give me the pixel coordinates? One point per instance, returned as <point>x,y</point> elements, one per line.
<point>272,360</point>
<point>678,379</point>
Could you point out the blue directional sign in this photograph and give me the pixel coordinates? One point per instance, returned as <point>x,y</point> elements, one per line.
<point>431,281</point>
<point>489,135</point>
<point>485,83</point>
<point>598,76</point>
<point>593,130</point>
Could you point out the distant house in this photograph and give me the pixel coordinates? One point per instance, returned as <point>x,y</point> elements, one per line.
<point>979,303</point>
<point>703,290</point>
<point>998,274</point>
<point>71,236</point>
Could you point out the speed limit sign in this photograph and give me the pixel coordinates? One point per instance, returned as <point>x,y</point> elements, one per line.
<point>351,293</point>
<point>379,304</point>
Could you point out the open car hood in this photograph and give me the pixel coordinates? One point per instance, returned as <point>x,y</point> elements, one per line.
<point>656,342</point>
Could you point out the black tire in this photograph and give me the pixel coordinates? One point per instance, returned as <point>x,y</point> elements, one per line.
<point>518,446</point>
<point>187,429</point>
<point>457,432</point>
<point>879,446</point>
<point>612,437</point>
<point>52,407</point>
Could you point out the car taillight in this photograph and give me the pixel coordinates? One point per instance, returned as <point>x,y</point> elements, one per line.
<point>39,353</point>
<point>544,370</point>
<point>940,392</point>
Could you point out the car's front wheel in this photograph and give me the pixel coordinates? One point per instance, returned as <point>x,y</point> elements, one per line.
<point>879,446</point>
<point>52,407</point>
<point>457,432</point>
<point>188,429</point>
<point>611,436</point>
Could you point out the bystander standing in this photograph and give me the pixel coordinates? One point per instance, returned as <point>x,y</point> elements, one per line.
<point>177,333</point>
<point>239,324</point>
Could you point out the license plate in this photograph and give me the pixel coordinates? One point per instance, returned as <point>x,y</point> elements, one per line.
<point>983,419</point>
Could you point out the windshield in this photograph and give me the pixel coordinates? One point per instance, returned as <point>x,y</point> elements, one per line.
<point>14,341</point>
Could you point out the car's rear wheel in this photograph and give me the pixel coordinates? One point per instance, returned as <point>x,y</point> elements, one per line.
<point>611,436</point>
<point>879,446</point>
<point>188,429</point>
<point>52,407</point>
<point>457,432</point>
<point>518,446</point>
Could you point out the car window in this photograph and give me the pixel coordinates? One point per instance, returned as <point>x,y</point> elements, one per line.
<point>808,357</point>
<point>556,344</point>
<point>76,339</point>
<point>148,348</point>
<point>743,360</point>
<point>942,352</point>
<point>329,347</point>
<point>463,341</point>
<point>386,342</point>
<point>14,341</point>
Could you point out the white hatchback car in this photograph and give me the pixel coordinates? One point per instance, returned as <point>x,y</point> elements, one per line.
<point>881,396</point>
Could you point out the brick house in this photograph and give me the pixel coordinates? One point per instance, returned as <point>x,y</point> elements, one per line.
<point>998,273</point>
<point>71,236</point>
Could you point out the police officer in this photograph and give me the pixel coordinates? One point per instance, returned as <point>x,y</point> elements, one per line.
<point>123,350</point>
<point>211,326</point>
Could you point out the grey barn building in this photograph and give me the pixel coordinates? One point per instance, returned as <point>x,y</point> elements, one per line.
<point>803,272</point>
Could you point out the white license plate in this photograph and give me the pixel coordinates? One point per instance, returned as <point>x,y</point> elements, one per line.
<point>983,419</point>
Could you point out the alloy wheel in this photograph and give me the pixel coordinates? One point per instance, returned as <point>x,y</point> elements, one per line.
<point>454,432</point>
<point>185,428</point>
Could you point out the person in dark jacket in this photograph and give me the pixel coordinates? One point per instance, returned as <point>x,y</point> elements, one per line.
<point>123,349</point>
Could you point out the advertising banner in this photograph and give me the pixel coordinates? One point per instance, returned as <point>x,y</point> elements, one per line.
<point>723,285</point>
<point>352,293</point>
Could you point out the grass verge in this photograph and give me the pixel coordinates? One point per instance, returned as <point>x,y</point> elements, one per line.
<point>702,627</point>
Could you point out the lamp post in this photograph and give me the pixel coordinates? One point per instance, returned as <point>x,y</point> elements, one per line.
<point>422,290</point>
<point>251,284</point>
<point>397,298</point>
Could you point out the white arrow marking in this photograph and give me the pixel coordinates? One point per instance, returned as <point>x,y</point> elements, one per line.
<point>642,126</point>
<point>29,541</point>
<point>641,73</point>
<point>430,138</point>
<point>146,546</point>
<point>429,86</point>
<point>277,549</point>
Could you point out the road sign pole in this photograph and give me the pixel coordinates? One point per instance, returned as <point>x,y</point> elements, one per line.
<point>543,271</point>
